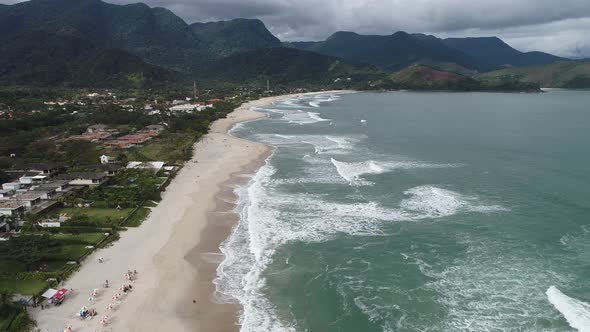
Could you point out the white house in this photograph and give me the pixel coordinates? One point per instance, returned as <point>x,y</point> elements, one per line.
<point>183,108</point>
<point>37,179</point>
<point>11,186</point>
<point>104,159</point>
<point>85,178</point>
<point>155,166</point>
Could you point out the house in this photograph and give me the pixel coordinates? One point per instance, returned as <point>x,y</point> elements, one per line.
<point>6,194</point>
<point>11,208</point>
<point>97,128</point>
<point>4,225</point>
<point>28,199</point>
<point>183,108</point>
<point>57,185</point>
<point>47,169</point>
<point>154,128</point>
<point>84,178</point>
<point>46,193</point>
<point>11,186</point>
<point>50,223</point>
<point>110,169</point>
<point>37,179</point>
<point>155,166</point>
<point>104,159</point>
<point>130,140</point>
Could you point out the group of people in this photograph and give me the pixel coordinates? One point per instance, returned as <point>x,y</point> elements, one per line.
<point>86,313</point>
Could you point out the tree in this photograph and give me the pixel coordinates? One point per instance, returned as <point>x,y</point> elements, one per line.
<point>6,297</point>
<point>30,248</point>
<point>4,177</point>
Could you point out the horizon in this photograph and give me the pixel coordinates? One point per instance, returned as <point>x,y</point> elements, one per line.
<point>528,26</point>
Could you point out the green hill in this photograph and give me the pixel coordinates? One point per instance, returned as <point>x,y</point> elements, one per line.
<point>287,66</point>
<point>565,74</point>
<point>421,77</point>
<point>496,53</point>
<point>228,37</point>
<point>90,42</point>
<point>93,43</point>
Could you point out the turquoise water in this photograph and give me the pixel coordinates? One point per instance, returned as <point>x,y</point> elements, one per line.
<point>416,212</point>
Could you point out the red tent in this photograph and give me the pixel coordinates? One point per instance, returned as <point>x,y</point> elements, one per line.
<point>60,294</point>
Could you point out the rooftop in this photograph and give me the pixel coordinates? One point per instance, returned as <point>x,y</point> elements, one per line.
<point>10,205</point>
<point>28,196</point>
<point>42,166</point>
<point>82,175</point>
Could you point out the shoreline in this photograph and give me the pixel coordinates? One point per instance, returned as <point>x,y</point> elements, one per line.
<point>176,249</point>
<point>206,256</point>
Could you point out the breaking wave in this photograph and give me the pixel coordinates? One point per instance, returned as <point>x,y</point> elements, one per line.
<point>352,172</point>
<point>576,312</point>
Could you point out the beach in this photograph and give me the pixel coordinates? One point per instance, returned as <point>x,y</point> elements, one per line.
<point>175,251</point>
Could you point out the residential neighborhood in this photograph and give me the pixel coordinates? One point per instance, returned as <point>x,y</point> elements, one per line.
<point>77,171</point>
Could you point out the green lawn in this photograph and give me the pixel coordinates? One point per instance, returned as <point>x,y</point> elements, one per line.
<point>98,216</point>
<point>69,252</point>
<point>138,217</point>
<point>10,266</point>
<point>83,238</point>
<point>24,287</point>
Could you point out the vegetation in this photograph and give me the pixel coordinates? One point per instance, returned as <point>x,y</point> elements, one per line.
<point>420,77</point>
<point>495,53</point>
<point>64,43</point>
<point>12,317</point>
<point>566,74</point>
<point>138,217</point>
<point>391,52</point>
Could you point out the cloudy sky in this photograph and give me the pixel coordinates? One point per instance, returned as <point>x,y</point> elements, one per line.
<point>557,26</point>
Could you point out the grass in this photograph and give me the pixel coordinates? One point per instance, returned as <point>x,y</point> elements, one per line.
<point>97,214</point>
<point>84,238</point>
<point>11,266</point>
<point>171,148</point>
<point>24,287</point>
<point>69,252</point>
<point>138,217</point>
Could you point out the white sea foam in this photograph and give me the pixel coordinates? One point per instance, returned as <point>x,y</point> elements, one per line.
<point>433,202</point>
<point>576,312</point>
<point>302,118</point>
<point>318,100</point>
<point>353,171</point>
<point>271,218</point>
<point>321,144</point>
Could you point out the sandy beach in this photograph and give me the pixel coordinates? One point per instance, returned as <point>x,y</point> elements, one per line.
<point>175,251</point>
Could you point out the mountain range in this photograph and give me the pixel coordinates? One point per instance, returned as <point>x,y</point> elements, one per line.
<point>93,43</point>
<point>399,50</point>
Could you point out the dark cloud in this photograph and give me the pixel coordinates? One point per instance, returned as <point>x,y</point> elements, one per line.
<point>557,26</point>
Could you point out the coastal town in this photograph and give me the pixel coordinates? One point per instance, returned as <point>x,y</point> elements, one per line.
<point>95,168</point>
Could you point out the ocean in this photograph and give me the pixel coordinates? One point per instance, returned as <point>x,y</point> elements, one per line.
<point>409,211</point>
